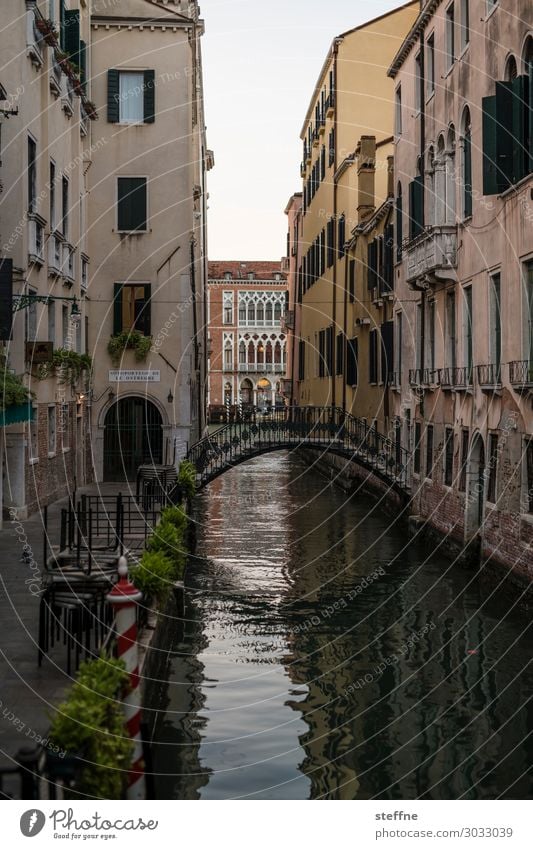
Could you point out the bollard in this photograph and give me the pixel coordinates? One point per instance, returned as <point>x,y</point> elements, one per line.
<point>124,598</point>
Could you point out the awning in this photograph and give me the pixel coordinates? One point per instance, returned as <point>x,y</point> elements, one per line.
<point>16,413</point>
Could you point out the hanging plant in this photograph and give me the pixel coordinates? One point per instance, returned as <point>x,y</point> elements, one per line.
<point>90,109</point>
<point>47,30</point>
<point>13,393</point>
<point>131,339</point>
<point>67,365</point>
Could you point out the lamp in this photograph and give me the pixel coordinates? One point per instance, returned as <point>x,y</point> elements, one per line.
<point>170,398</point>
<point>75,314</point>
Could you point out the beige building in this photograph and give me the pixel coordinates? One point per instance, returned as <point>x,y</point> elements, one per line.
<point>351,103</point>
<point>45,161</point>
<point>463,83</point>
<point>147,233</point>
<point>292,318</point>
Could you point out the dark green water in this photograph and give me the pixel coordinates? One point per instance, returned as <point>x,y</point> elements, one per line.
<point>325,656</point>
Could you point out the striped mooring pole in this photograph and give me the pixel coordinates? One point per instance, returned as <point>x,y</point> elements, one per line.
<point>240,406</point>
<point>124,598</point>
<point>228,409</point>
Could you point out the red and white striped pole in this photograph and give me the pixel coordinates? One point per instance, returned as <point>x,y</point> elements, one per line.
<point>124,598</point>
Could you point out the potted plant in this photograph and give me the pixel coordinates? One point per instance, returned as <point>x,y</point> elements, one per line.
<point>47,30</point>
<point>132,339</point>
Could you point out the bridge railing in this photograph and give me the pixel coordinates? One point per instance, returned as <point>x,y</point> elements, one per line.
<point>329,427</point>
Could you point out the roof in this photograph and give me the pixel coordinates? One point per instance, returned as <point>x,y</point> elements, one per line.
<point>429,7</point>
<point>262,269</point>
<point>333,49</point>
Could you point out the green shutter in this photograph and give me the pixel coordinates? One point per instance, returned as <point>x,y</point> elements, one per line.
<point>149,97</point>
<point>416,206</point>
<point>387,350</point>
<point>147,312</point>
<point>372,259</point>
<point>62,24</point>
<point>467,188</point>
<point>131,204</point>
<point>388,259</point>
<point>399,227</point>
<point>505,141</point>
<point>6,299</point>
<point>113,110</point>
<point>72,35</point>
<point>117,308</point>
<point>490,182</point>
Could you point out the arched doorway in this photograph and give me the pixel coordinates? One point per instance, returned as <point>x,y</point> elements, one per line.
<point>133,434</point>
<point>247,390</point>
<point>475,501</point>
<point>264,392</point>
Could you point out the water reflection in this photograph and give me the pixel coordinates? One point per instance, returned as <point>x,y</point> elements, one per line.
<point>326,658</point>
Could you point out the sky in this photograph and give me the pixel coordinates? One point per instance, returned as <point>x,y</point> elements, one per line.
<point>261,62</point>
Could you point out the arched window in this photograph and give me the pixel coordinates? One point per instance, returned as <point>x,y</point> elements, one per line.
<point>268,353</point>
<point>251,353</point>
<point>511,69</point>
<point>528,56</point>
<point>399,222</point>
<point>260,352</point>
<point>242,352</point>
<point>277,312</point>
<point>467,164</point>
<point>260,312</point>
<point>251,312</point>
<point>450,177</point>
<point>269,312</point>
<point>277,353</point>
<point>440,182</point>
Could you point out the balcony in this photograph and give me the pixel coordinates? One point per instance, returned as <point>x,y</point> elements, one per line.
<point>262,368</point>
<point>35,238</point>
<point>67,270</point>
<point>432,257</point>
<point>55,263</point>
<point>489,377</point>
<point>424,378</point>
<point>330,105</point>
<point>287,321</point>
<point>521,375</point>
<point>462,378</point>
<point>35,44</point>
<point>321,124</point>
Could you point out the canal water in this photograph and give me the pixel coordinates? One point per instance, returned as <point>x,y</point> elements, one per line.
<point>325,656</point>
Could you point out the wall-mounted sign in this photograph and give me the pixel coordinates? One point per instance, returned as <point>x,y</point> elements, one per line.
<point>134,375</point>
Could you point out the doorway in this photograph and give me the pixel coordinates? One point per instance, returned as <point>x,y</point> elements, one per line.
<point>475,502</point>
<point>133,435</point>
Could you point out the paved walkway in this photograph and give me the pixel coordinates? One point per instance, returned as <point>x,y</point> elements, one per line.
<point>28,694</point>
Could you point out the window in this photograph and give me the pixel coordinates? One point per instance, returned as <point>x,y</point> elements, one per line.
<point>429,451</point>
<point>342,235</point>
<point>467,165</point>
<point>467,331</point>
<point>464,460</point>
<point>64,206</point>
<point>52,429</point>
<point>399,222</point>
<point>430,336</point>
<point>31,318</point>
<point>33,444</point>
<point>418,82</point>
<point>132,204</point>
<point>495,334</point>
<point>84,273</point>
<point>352,362</point>
<point>130,97</point>
<point>339,358</point>
<point>228,307</point>
<point>451,341</point>
<point>493,468</point>
<point>508,130</point>
<point>331,242</point>
<point>448,457</point>
<point>430,65</point>
<point>64,426</point>
<point>332,147</point>
<point>465,23</point>
<point>329,351</point>
<point>417,451</point>
<point>351,281</point>
<point>228,357</point>
<point>387,351</point>
<point>52,322</point>
<point>52,189</point>
<point>373,356</point>
<point>528,303</point>
<point>398,349</point>
<point>301,359</point>
<point>398,111</point>
<point>450,35</point>
<point>132,308</point>
<point>416,207</point>
<point>32,175</point>
<point>321,353</point>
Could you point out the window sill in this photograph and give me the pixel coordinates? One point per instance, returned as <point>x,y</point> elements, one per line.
<point>132,232</point>
<point>527,518</point>
<point>51,455</point>
<point>132,124</point>
<point>33,461</point>
<point>65,450</point>
<point>463,52</point>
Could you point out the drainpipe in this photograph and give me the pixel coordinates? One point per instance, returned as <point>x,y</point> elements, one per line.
<point>334,295</point>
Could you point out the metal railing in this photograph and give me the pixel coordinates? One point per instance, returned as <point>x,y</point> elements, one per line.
<point>521,373</point>
<point>329,428</point>
<point>489,375</point>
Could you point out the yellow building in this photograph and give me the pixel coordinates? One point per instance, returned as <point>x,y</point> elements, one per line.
<point>352,105</point>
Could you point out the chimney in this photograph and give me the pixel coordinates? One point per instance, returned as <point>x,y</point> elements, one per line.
<point>366,175</point>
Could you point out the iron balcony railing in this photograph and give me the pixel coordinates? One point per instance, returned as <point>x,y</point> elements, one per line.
<point>327,428</point>
<point>489,376</point>
<point>425,377</point>
<point>521,374</point>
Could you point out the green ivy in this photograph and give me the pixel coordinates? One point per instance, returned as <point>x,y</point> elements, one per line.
<point>139,343</point>
<point>169,539</point>
<point>12,390</point>
<point>187,477</point>
<point>67,364</point>
<point>153,576</point>
<point>90,723</point>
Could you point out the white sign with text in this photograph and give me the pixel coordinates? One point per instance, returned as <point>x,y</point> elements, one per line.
<point>134,376</point>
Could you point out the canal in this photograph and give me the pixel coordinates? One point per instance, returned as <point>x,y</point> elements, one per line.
<point>325,656</point>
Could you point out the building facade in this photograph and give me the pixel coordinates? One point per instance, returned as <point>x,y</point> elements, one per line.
<point>45,160</point>
<point>350,105</point>
<point>147,233</point>
<point>464,271</point>
<point>248,347</point>
<point>292,317</point>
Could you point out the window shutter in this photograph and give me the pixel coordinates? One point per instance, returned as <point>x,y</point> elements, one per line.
<point>149,97</point>
<point>467,189</point>
<point>416,206</point>
<point>372,256</point>
<point>113,106</point>
<point>388,260</point>
<point>72,35</point>
<point>387,350</point>
<point>6,299</point>
<point>505,141</point>
<point>83,65</point>
<point>399,227</point>
<point>520,87</point>
<point>490,182</point>
<point>62,23</point>
<point>131,203</point>
<point>351,362</point>
<point>147,311</point>
<point>117,308</point>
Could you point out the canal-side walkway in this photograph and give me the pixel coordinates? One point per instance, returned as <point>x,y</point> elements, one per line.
<point>28,693</point>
